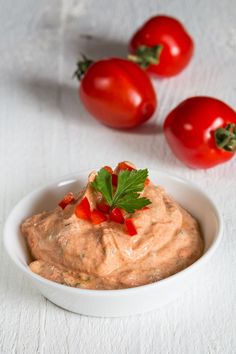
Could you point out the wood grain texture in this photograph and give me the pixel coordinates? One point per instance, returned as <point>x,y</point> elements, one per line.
<point>45,133</point>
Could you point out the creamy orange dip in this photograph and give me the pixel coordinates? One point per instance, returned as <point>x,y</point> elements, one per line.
<point>74,252</point>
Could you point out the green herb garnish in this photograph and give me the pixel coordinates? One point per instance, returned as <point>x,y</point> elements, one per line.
<point>127,194</point>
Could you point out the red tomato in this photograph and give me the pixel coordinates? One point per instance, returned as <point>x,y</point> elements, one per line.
<point>201,132</point>
<point>176,45</point>
<point>118,93</point>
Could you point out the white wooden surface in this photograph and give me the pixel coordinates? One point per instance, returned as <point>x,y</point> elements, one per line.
<point>45,133</point>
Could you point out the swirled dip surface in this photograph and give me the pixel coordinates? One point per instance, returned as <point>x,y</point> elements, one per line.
<point>77,253</point>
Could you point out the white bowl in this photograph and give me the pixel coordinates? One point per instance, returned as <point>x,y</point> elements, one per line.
<point>114,303</point>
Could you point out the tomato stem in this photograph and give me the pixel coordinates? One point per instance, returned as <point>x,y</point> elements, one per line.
<point>225,138</point>
<point>82,66</point>
<point>146,56</point>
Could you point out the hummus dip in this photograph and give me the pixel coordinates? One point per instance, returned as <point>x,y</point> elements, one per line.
<point>77,253</point>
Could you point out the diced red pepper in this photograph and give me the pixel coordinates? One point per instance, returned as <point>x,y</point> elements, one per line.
<point>104,207</point>
<point>117,216</point>
<point>114,176</point>
<point>147,181</point>
<point>144,208</point>
<point>108,169</point>
<point>131,229</point>
<point>114,179</point>
<point>97,217</point>
<point>125,166</point>
<point>68,198</point>
<point>82,210</point>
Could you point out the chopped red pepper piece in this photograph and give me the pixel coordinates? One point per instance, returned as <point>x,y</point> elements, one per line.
<point>131,229</point>
<point>144,208</point>
<point>125,166</point>
<point>147,181</point>
<point>97,217</point>
<point>104,207</point>
<point>114,179</point>
<point>82,210</point>
<point>117,216</point>
<point>108,169</point>
<point>114,176</point>
<point>68,198</point>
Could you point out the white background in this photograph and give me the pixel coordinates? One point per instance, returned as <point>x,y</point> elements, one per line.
<point>45,133</point>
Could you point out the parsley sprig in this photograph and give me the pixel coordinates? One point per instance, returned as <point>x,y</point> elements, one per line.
<point>127,193</point>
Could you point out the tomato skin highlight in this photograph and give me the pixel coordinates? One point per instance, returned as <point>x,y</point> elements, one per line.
<point>116,215</point>
<point>97,217</point>
<point>189,130</point>
<point>130,227</point>
<point>177,45</point>
<point>118,93</point>
<point>82,210</point>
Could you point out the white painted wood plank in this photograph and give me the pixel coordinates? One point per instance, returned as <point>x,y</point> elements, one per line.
<point>44,133</point>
